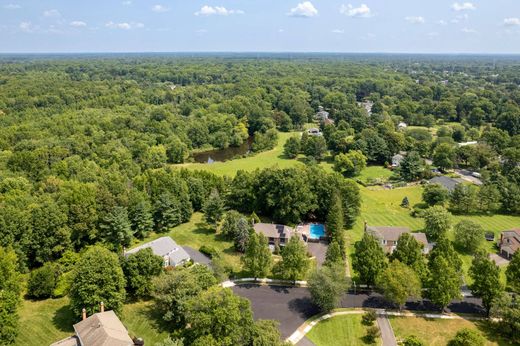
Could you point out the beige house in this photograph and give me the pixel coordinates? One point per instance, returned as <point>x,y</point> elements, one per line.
<point>101,329</point>
<point>388,237</point>
<point>509,243</point>
<point>275,234</point>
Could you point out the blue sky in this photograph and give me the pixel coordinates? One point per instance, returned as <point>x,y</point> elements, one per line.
<point>412,26</point>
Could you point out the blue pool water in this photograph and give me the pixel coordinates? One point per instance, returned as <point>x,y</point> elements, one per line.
<point>317,231</point>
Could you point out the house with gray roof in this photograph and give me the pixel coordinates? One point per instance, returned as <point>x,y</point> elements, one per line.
<point>172,254</point>
<point>388,237</point>
<point>446,182</point>
<point>101,329</point>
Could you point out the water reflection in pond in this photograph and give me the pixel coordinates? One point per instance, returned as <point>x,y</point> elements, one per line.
<point>220,155</point>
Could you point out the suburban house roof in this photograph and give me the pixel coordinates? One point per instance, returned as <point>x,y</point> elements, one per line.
<point>271,230</point>
<point>511,240</point>
<point>102,329</point>
<point>164,246</point>
<point>447,182</point>
<point>389,233</point>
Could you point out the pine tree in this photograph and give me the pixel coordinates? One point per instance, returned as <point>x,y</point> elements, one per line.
<point>167,212</point>
<point>257,258</point>
<point>335,222</point>
<point>116,227</point>
<point>140,215</point>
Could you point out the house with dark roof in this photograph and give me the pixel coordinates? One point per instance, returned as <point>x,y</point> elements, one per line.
<point>276,234</point>
<point>322,115</point>
<point>509,243</point>
<point>388,237</point>
<point>446,182</point>
<point>172,254</point>
<point>396,160</point>
<point>101,329</point>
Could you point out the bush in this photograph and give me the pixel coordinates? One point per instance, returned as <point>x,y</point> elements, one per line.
<point>63,285</point>
<point>467,337</point>
<point>373,333</point>
<point>412,340</point>
<point>208,251</point>
<point>42,281</point>
<point>369,317</point>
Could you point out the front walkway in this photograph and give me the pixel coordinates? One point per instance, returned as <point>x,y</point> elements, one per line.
<point>387,333</point>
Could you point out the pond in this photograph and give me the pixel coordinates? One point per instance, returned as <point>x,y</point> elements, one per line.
<point>220,155</point>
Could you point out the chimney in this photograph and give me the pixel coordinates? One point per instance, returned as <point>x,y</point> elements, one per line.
<point>83,314</point>
<point>102,307</point>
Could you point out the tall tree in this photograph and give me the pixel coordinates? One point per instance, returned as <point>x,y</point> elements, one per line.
<point>445,282</point>
<point>513,273</point>
<point>443,156</point>
<point>437,222</point>
<point>444,248</point>
<point>10,289</point>
<point>140,214</point>
<point>409,252</point>
<point>257,258</point>
<point>327,285</point>
<point>167,212</point>
<point>294,263</point>
<point>435,194</point>
<point>96,278</point>
<point>469,235</point>
<point>398,283</point>
<point>139,269</point>
<point>292,147</point>
<point>116,228</point>
<point>220,314</point>
<point>350,164</point>
<point>369,260</point>
<point>411,167</point>
<point>486,279</point>
<point>213,208</point>
<point>335,223</point>
<point>334,254</point>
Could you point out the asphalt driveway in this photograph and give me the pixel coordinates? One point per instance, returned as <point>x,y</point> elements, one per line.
<point>291,306</point>
<point>318,250</point>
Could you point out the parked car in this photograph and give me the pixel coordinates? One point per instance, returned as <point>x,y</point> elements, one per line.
<point>490,236</point>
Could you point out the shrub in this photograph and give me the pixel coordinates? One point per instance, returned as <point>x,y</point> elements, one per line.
<point>63,285</point>
<point>369,317</point>
<point>373,333</point>
<point>208,251</point>
<point>467,337</point>
<point>42,281</point>
<point>412,340</point>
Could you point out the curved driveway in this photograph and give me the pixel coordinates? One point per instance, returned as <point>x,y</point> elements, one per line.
<point>292,306</point>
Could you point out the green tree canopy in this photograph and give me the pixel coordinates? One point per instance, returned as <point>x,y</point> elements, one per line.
<point>257,258</point>
<point>369,260</point>
<point>327,285</point>
<point>294,263</point>
<point>398,283</point>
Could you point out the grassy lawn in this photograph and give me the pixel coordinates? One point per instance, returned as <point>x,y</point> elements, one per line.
<point>374,172</point>
<point>46,321</point>
<point>261,160</point>
<point>337,331</point>
<point>437,332</point>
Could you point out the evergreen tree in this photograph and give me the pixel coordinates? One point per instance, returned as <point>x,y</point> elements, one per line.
<point>411,167</point>
<point>257,258</point>
<point>116,228</point>
<point>213,208</point>
<point>486,280</point>
<point>294,263</point>
<point>10,289</point>
<point>335,222</point>
<point>244,232</point>
<point>140,214</point>
<point>167,212</point>
<point>334,254</point>
<point>369,260</point>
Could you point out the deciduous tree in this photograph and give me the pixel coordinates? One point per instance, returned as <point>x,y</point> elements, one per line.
<point>369,260</point>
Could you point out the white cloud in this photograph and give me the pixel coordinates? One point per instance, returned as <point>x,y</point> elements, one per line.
<point>463,6</point>
<point>468,31</point>
<point>338,31</point>
<point>442,22</point>
<point>160,8</point>
<point>304,9</point>
<point>127,2</point>
<point>78,24</point>
<point>12,7</point>
<point>124,25</point>
<point>415,19</point>
<point>26,27</point>
<point>216,10</point>
<point>281,30</point>
<point>52,13</point>
<point>362,11</point>
<point>511,21</point>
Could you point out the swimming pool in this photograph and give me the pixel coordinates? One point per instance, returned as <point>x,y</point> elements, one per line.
<point>317,230</point>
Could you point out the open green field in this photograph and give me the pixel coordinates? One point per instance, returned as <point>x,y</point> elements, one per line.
<point>345,330</point>
<point>437,332</point>
<point>50,320</point>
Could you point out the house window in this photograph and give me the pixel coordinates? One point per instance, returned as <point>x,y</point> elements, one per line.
<point>384,241</point>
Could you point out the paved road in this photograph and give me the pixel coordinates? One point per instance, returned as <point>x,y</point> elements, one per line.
<point>292,306</point>
<point>387,333</point>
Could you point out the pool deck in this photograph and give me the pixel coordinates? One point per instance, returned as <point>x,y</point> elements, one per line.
<point>305,229</point>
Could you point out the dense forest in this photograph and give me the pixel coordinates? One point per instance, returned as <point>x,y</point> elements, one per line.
<point>91,147</point>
